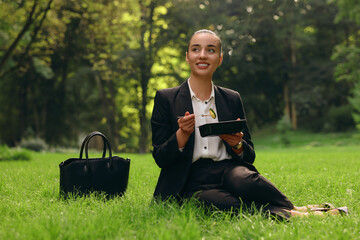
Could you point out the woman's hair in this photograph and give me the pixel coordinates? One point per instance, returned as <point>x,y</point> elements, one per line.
<point>206,31</point>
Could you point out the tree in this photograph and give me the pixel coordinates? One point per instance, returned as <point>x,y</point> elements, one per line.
<point>154,38</point>
<point>347,53</point>
<point>70,67</point>
<point>279,55</point>
<point>17,56</point>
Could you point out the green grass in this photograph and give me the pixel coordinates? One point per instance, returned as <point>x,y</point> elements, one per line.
<point>30,207</point>
<point>269,139</point>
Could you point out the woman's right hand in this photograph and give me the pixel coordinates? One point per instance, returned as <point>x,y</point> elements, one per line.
<point>186,128</point>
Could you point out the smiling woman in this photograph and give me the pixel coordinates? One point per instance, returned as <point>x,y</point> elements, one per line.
<point>218,171</point>
<point>204,53</point>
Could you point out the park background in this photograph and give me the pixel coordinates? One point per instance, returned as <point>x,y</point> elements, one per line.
<point>69,67</point>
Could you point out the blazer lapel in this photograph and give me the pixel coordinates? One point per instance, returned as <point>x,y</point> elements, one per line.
<point>223,111</point>
<point>183,100</point>
<point>183,104</point>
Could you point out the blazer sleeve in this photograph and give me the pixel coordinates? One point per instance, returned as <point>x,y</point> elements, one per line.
<point>248,155</point>
<point>165,147</point>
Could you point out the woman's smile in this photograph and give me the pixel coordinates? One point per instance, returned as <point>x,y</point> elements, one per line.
<point>203,65</point>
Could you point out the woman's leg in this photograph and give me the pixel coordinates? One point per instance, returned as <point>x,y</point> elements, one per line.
<point>219,198</point>
<point>225,201</point>
<point>210,182</point>
<point>251,186</point>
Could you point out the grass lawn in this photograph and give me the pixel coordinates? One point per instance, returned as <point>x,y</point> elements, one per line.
<point>313,169</point>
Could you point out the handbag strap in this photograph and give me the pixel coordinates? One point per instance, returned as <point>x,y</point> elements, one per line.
<point>87,139</point>
<point>106,144</point>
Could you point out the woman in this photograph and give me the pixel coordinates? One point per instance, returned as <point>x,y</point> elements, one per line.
<point>217,171</point>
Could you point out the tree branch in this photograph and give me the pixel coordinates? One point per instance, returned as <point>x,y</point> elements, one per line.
<point>33,38</point>
<point>27,25</point>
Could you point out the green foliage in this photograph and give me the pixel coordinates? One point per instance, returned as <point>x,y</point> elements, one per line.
<point>33,143</point>
<point>95,65</point>
<point>284,124</point>
<point>7,154</point>
<point>271,44</point>
<point>41,68</point>
<point>347,54</point>
<point>348,9</point>
<point>355,102</point>
<point>348,58</point>
<point>283,127</point>
<point>339,119</point>
<point>264,139</point>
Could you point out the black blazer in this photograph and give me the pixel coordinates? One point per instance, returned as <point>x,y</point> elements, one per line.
<point>172,102</point>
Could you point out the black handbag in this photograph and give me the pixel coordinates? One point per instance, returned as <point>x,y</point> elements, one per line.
<point>80,176</point>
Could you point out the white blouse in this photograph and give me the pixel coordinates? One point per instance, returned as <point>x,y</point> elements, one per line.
<point>207,147</point>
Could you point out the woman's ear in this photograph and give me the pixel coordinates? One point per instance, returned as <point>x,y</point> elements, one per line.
<point>221,58</point>
<point>186,57</point>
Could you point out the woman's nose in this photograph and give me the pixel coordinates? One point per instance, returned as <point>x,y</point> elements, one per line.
<point>203,53</point>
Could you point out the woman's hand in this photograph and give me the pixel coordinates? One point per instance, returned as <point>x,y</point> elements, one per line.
<point>186,128</point>
<point>232,139</point>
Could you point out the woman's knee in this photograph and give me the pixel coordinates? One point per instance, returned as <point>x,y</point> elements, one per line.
<point>240,180</point>
<point>219,198</point>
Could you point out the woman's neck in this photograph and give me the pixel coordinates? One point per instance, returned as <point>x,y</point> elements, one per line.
<point>202,87</point>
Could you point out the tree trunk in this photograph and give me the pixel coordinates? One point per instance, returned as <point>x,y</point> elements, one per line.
<point>293,116</point>
<point>145,67</point>
<point>143,141</point>
<point>109,109</point>
<point>294,78</point>
<point>287,101</point>
<point>114,132</point>
<point>24,105</point>
<point>290,56</point>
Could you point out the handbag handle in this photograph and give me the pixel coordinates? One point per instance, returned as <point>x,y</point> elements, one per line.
<point>85,146</point>
<point>87,139</point>
<point>106,144</point>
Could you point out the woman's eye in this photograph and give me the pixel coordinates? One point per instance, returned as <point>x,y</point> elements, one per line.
<point>195,49</point>
<point>212,50</point>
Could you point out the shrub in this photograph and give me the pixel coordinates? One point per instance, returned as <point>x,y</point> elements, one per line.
<point>355,102</point>
<point>35,144</point>
<point>339,119</point>
<point>13,154</point>
<point>283,127</point>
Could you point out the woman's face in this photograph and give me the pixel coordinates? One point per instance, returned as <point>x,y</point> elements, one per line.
<point>204,54</point>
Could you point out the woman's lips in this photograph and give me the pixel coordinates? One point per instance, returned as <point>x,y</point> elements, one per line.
<point>202,65</point>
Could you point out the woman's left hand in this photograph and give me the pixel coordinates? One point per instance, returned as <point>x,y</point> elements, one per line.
<point>232,139</point>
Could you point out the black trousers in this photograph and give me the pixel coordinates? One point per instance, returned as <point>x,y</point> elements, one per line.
<point>228,185</point>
